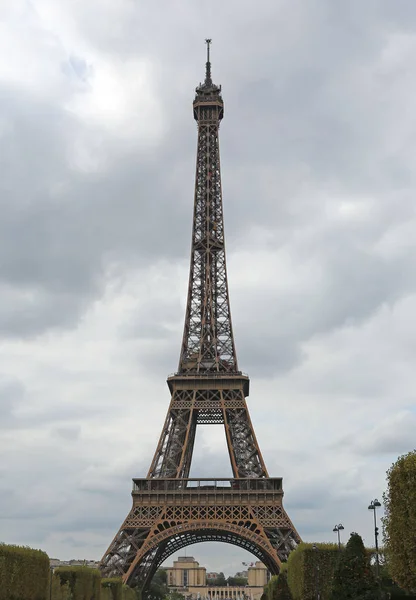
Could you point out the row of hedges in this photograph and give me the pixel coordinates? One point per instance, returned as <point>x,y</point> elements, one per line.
<point>130,594</point>
<point>84,583</point>
<point>111,589</point>
<point>321,570</point>
<point>310,568</point>
<point>24,573</point>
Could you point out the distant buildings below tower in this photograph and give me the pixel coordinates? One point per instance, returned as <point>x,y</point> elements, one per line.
<point>55,562</point>
<point>187,577</point>
<point>186,573</point>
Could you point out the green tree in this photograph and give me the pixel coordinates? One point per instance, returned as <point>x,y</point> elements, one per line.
<point>282,587</point>
<point>353,577</point>
<point>176,596</point>
<point>237,581</point>
<point>399,523</point>
<point>220,580</point>
<point>160,577</point>
<point>158,588</point>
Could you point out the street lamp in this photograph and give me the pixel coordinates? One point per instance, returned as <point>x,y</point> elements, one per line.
<point>374,505</point>
<point>339,528</point>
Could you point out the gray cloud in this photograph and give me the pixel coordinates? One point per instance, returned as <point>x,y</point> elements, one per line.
<point>97,147</point>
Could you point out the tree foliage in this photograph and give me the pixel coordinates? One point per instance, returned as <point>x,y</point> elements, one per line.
<point>220,580</point>
<point>270,587</point>
<point>160,577</point>
<point>236,581</point>
<point>399,522</point>
<point>354,578</point>
<point>278,587</point>
<point>176,596</point>
<point>24,573</point>
<point>158,588</point>
<point>282,588</point>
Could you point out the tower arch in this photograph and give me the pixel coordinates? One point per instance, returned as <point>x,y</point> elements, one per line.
<point>173,541</point>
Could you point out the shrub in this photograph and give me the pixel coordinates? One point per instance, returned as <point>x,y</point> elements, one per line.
<point>24,573</point>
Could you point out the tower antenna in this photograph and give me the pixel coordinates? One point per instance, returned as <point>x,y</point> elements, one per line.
<point>208,79</point>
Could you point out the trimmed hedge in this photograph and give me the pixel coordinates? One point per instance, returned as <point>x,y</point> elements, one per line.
<point>310,569</point>
<point>84,583</point>
<point>24,573</point>
<point>60,591</point>
<point>130,594</point>
<point>112,589</point>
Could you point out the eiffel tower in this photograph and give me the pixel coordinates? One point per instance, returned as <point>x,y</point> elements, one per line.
<point>171,510</point>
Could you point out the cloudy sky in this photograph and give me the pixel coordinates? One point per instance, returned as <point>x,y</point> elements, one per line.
<point>97,152</point>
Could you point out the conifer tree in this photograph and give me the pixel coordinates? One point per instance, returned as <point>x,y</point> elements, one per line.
<point>282,590</point>
<point>353,578</point>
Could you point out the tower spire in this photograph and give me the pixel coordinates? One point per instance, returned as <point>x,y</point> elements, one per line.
<point>208,80</point>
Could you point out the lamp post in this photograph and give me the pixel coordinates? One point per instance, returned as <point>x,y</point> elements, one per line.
<point>374,505</point>
<point>339,528</point>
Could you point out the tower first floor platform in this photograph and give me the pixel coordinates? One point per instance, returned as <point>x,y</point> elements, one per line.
<point>170,514</point>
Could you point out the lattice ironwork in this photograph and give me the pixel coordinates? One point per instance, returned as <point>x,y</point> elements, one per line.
<point>169,510</point>
<point>167,514</point>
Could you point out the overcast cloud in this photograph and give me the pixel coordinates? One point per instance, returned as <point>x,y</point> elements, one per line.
<point>97,153</point>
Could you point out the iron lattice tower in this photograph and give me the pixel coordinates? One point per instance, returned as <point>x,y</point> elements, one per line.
<point>170,510</point>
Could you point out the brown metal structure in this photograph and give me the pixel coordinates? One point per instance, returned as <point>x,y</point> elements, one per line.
<point>170,510</point>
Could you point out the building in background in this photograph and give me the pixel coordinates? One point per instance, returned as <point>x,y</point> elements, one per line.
<point>74,562</point>
<point>185,573</point>
<point>257,575</point>
<point>187,577</point>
